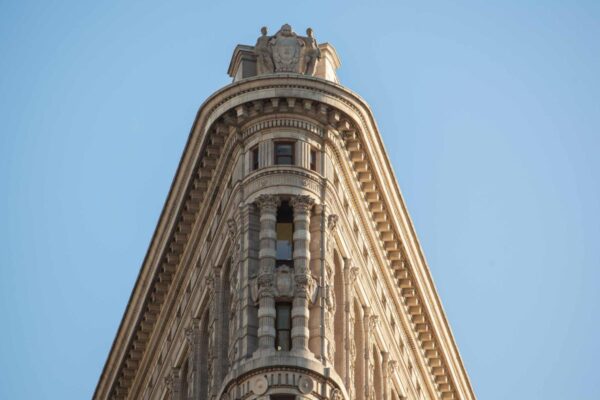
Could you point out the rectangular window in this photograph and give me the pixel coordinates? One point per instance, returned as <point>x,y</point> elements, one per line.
<point>285,234</point>
<point>313,159</point>
<point>254,156</point>
<point>283,326</point>
<point>284,153</point>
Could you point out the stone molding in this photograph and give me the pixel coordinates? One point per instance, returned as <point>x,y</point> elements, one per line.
<point>411,281</point>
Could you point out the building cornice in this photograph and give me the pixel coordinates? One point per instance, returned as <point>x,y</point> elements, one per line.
<point>217,120</point>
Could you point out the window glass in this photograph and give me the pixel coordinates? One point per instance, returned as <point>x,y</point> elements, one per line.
<point>284,153</point>
<point>313,160</point>
<point>283,326</point>
<point>285,234</point>
<point>254,158</point>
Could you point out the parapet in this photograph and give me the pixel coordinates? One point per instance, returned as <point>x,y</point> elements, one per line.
<point>285,52</point>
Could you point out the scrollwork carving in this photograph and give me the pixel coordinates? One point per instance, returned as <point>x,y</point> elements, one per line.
<point>268,203</point>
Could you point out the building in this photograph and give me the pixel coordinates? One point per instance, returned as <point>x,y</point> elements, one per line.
<point>284,265</point>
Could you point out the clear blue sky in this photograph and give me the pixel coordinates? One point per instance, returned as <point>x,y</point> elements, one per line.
<point>490,113</point>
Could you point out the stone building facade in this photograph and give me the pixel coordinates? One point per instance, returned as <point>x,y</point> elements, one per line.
<point>284,265</point>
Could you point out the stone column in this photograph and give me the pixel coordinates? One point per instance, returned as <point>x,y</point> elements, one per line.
<point>369,323</point>
<point>302,206</point>
<point>247,320</point>
<point>317,224</point>
<point>329,302</point>
<point>217,327</point>
<point>173,383</point>
<point>213,287</point>
<point>267,257</point>
<point>350,275</point>
<point>192,334</point>
<point>385,374</point>
<point>392,366</point>
<point>231,352</point>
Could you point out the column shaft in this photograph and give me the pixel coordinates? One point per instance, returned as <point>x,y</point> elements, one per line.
<point>302,206</point>
<point>267,258</point>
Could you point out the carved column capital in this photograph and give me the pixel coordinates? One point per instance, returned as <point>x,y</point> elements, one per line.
<point>350,271</point>
<point>232,229</point>
<point>373,320</point>
<point>392,365</point>
<point>192,330</point>
<point>172,381</point>
<point>268,203</point>
<point>302,203</point>
<point>332,221</point>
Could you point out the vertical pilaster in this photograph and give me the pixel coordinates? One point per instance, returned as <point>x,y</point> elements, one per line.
<point>231,351</point>
<point>192,335</point>
<point>267,257</point>
<point>302,206</point>
<point>328,290</point>
<point>385,374</point>
<point>248,267</point>
<point>217,326</point>
<point>173,383</point>
<point>317,224</point>
<point>369,323</point>
<point>350,275</point>
<point>213,286</point>
<point>367,353</point>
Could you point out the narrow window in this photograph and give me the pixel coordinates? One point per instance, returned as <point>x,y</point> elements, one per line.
<point>283,326</point>
<point>313,159</point>
<point>254,156</point>
<point>285,232</point>
<point>284,153</point>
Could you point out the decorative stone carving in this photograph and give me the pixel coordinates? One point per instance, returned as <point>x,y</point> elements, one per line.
<point>332,221</point>
<point>267,202</point>
<point>286,52</point>
<point>336,394</point>
<point>264,60</point>
<point>312,53</point>
<point>231,229</point>
<point>354,272</point>
<point>260,385</point>
<point>392,365</point>
<point>306,385</point>
<point>283,281</point>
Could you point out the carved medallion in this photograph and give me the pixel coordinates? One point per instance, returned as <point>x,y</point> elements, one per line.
<point>260,385</point>
<point>306,385</point>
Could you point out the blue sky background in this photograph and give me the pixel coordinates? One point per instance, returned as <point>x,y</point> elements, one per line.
<point>489,111</point>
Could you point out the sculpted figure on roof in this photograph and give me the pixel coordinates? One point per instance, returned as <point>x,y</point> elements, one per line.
<point>264,60</point>
<point>286,52</point>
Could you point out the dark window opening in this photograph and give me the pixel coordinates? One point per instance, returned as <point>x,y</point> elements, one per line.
<point>283,397</point>
<point>313,160</point>
<point>254,158</point>
<point>283,326</point>
<point>285,234</point>
<point>284,153</point>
